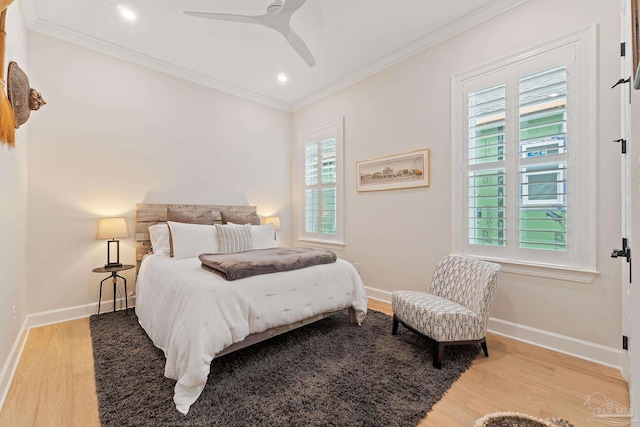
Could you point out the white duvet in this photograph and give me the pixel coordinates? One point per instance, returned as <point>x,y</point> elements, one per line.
<point>192,314</point>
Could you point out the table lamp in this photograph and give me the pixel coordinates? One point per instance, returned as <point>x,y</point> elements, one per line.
<point>112,228</point>
<point>275,220</point>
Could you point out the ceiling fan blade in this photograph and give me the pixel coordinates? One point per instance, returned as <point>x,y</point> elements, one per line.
<point>291,6</point>
<point>298,44</point>
<point>224,17</point>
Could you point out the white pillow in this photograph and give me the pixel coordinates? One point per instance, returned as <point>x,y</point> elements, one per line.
<point>159,236</point>
<point>263,237</point>
<point>191,240</point>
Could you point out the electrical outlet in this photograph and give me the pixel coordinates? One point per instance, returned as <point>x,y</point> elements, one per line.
<point>13,312</point>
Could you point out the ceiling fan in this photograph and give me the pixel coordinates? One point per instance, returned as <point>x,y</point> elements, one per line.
<point>277,17</point>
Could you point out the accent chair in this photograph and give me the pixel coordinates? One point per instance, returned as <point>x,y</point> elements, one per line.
<point>455,311</point>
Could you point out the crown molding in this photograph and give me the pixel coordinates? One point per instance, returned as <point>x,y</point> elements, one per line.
<point>50,29</point>
<point>38,25</point>
<point>466,22</point>
<point>30,12</point>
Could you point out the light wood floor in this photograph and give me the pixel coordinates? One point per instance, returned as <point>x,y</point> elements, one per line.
<point>54,383</point>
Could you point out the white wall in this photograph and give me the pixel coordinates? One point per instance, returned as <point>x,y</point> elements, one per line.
<point>114,134</point>
<point>13,213</point>
<point>398,236</point>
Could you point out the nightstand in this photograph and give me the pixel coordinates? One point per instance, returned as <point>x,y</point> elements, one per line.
<point>114,277</point>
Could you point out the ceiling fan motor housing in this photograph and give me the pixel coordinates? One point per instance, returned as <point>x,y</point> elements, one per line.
<point>274,7</point>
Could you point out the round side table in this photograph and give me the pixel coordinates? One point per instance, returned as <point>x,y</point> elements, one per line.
<point>114,277</point>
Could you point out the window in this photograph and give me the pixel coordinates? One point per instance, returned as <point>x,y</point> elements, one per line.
<point>523,134</point>
<point>321,183</point>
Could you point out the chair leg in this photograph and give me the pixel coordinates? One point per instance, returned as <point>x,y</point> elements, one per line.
<point>484,347</point>
<point>394,328</point>
<point>438,354</point>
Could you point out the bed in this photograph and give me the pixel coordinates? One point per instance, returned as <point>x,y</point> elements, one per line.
<point>194,315</point>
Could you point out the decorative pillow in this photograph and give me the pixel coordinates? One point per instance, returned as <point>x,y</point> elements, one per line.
<point>234,238</point>
<point>252,218</point>
<point>159,236</point>
<point>262,236</point>
<point>191,240</point>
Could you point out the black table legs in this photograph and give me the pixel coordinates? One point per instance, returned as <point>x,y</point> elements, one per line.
<point>114,277</point>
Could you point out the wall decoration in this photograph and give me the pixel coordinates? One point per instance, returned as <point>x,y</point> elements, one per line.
<point>406,170</point>
<point>22,97</point>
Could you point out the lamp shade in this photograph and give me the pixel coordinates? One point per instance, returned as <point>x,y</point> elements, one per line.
<point>112,228</point>
<point>275,220</point>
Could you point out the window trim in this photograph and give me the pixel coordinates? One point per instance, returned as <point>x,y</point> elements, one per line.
<point>304,136</point>
<point>584,42</point>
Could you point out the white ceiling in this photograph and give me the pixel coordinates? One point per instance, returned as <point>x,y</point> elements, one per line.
<point>350,39</point>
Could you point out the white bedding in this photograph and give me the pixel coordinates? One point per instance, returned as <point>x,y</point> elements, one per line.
<point>192,314</point>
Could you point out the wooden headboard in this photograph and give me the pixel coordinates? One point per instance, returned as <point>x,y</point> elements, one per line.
<point>148,214</point>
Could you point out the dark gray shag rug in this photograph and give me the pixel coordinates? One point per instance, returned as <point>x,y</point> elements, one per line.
<point>330,373</point>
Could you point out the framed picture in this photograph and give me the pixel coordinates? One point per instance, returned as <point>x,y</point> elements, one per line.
<point>635,41</point>
<point>393,172</point>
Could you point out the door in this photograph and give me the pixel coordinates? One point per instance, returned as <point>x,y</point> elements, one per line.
<point>625,187</point>
<point>630,181</point>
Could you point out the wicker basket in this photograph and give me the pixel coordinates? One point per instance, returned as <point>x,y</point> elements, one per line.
<point>512,419</point>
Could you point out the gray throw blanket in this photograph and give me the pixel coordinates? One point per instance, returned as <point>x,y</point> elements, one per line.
<point>263,261</point>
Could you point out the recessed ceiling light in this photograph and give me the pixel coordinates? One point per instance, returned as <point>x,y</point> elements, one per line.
<point>282,77</point>
<point>127,13</point>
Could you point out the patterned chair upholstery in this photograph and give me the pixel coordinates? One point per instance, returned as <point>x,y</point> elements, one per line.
<point>456,310</point>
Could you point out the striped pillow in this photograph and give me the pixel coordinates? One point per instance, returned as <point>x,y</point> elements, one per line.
<point>234,238</point>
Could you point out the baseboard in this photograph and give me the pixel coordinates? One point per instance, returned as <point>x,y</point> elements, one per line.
<point>378,294</point>
<point>10,366</point>
<point>600,354</point>
<point>71,313</point>
<point>42,319</point>
<point>597,353</point>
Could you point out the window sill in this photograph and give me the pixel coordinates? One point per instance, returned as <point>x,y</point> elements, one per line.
<point>546,271</point>
<point>321,243</point>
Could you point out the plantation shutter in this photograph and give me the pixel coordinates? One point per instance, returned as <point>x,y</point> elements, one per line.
<point>320,181</point>
<point>321,150</point>
<point>312,200</point>
<point>487,198</point>
<point>523,157</point>
<point>542,107</point>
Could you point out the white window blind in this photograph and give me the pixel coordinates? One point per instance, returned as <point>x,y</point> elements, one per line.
<point>543,150</point>
<point>524,140</point>
<point>321,217</point>
<point>487,196</point>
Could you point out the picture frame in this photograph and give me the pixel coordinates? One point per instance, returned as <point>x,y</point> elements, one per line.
<point>406,170</point>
